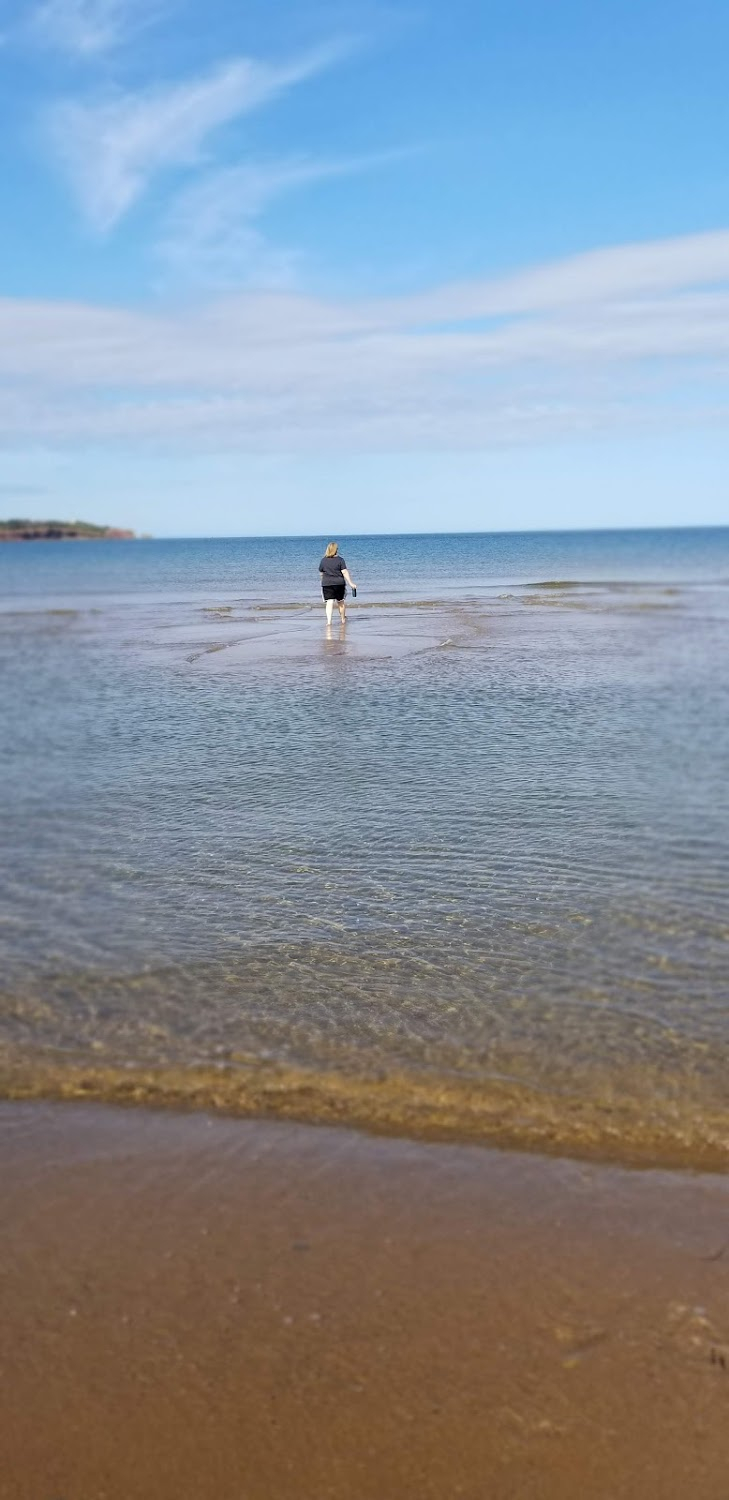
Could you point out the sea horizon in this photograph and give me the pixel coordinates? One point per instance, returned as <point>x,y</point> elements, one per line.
<point>273,536</point>
<point>517,930</point>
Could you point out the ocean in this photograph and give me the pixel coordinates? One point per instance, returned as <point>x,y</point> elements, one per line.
<point>458,868</point>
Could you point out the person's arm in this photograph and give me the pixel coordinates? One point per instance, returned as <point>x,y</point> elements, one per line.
<point>346,575</point>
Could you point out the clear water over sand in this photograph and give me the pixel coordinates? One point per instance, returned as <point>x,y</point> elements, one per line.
<point>462,867</point>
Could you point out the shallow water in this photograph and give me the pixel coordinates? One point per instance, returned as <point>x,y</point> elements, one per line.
<point>461,867</point>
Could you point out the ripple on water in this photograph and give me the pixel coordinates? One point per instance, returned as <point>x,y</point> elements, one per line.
<point>479,890</point>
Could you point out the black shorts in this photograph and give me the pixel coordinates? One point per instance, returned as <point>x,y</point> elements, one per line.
<point>333,591</point>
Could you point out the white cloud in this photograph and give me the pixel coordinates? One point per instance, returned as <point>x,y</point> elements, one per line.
<point>89,28</point>
<point>599,275</point>
<point>211,238</point>
<point>112,149</point>
<point>578,346</point>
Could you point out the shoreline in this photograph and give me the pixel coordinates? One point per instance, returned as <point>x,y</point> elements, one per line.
<point>609,1125</point>
<point>215,1307</point>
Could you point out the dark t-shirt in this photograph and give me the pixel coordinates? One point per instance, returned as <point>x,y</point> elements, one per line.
<point>331,569</point>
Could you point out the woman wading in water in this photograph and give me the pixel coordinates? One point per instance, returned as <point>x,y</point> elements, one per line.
<point>334,577</point>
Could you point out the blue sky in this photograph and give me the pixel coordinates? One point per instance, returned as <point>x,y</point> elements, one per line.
<point>305,266</point>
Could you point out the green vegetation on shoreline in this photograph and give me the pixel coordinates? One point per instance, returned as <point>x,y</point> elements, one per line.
<point>16,530</point>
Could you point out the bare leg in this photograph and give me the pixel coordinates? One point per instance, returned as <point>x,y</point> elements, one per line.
<point>342,610</point>
<point>330,610</point>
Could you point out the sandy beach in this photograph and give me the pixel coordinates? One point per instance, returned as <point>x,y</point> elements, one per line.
<point>201,1307</point>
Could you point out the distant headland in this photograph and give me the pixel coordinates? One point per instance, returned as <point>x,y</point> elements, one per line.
<point>60,531</point>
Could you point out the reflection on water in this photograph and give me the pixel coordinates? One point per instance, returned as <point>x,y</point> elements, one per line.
<point>459,864</point>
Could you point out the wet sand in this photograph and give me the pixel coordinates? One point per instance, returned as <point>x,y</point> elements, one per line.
<point>241,1310</point>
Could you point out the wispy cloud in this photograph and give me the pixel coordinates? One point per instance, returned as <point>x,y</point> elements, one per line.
<point>89,28</point>
<point>24,491</point>
<point>635,335</point>
<point>211,237</point>
<point>113,148</point>
<point>644,268</point>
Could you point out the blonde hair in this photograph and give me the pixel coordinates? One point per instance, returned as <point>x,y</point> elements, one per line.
<point>332,549</point>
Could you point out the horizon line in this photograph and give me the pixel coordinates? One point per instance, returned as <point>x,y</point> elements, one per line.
<point>291,536</point>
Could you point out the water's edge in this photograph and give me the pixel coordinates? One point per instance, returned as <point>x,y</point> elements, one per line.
<point>504,1114</point>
